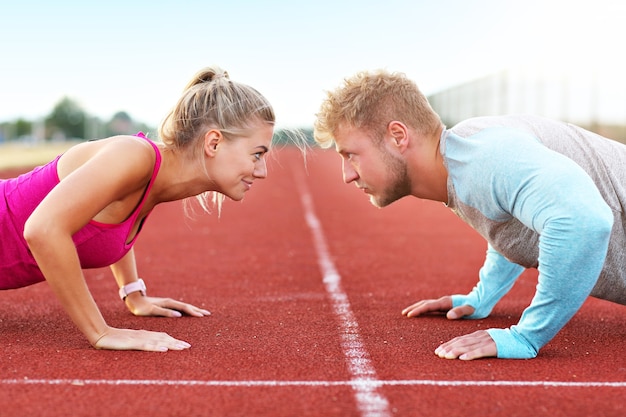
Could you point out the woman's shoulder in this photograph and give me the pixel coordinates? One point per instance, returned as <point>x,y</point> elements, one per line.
<point>124,146</point>
<point>123,152</point>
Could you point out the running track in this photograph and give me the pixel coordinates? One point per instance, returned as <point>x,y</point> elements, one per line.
<point>305,281</point>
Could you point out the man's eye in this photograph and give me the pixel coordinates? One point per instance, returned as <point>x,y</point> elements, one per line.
<point>258,155</point>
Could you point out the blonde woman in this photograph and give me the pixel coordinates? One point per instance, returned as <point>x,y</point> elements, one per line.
<point>86,208</point>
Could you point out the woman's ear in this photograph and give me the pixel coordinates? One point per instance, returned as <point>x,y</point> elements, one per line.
<point>212,140</point>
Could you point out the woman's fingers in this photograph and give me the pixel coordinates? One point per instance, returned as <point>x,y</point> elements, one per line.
<point>127,339</point>
<point>165,307</point>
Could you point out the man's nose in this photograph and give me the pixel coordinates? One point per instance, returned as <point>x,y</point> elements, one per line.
<point>349,173</point>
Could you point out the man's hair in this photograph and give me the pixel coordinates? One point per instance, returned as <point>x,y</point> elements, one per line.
<point>370,100</point>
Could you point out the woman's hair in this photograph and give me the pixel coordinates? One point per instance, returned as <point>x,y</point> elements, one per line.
<point>370,100</point>
<point>211,100</point>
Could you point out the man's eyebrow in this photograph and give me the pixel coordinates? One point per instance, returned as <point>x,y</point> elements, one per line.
<point>265,148</point>
<point>342,151</point>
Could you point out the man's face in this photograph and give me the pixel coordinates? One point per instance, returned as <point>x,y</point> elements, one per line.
<point>373,167</point>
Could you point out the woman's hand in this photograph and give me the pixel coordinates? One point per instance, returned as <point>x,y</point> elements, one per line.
<point>127,339</point>
<point>141,305</point>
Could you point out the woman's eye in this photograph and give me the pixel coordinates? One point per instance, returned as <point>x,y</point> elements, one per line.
<point>258,155</point>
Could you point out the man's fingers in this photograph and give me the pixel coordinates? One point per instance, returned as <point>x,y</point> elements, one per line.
<point>428,306</point>
<point>472,346</point>
<point>460,311</point>
<point>413,309</point>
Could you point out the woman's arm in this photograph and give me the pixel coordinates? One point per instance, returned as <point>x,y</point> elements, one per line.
<point>104,178</point>
<point>125,272</point>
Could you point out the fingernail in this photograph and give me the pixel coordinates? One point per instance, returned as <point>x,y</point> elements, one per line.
<point>177,314</point>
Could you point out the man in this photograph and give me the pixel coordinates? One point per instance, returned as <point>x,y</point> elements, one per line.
<point>544,194</point>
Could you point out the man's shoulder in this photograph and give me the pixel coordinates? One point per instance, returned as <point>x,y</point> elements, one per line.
<point>477,141</point>
<point>518,122</point>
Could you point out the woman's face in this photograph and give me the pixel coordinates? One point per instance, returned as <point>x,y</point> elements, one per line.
<point>240,161</point>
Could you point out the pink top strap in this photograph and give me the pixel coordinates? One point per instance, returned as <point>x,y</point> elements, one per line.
<point>98,244</point>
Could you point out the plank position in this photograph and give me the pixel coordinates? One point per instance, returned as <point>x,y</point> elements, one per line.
<point>544,194</point>
<point>86,208</point>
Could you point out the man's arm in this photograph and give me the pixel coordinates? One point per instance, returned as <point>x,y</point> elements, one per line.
<point>553,196</point>
<point>497,276</point>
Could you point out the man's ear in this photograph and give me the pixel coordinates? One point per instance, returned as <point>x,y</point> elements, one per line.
<point>212,140</point>
<point>399,134</point>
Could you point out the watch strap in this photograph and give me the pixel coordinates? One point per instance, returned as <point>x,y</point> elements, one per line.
<point>127,289</point>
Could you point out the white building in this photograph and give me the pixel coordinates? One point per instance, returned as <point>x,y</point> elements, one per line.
<point>592,98</point>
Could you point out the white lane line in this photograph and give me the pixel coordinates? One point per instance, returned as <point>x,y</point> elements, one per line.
<point>370,402</point>
<point>351,383</point>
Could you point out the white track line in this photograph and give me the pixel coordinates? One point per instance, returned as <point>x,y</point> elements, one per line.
<point>351,383</point>
<point>370,402</point>
<point>363,381</point>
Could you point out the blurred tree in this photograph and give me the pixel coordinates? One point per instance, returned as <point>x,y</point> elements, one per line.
<point>23,128</point>
<point>120,124</point>
<point>291,136</point>
<point>66,120</point>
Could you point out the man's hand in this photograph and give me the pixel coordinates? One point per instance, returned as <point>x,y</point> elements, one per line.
<point>472,346</point>
<point>441,305</point>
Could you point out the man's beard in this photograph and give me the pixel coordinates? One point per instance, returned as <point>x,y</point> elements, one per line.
<point>400,184</point>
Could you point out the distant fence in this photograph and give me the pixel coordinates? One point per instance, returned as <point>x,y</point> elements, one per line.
<point>594,99</point>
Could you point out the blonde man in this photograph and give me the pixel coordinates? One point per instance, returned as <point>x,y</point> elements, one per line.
<point>544,194</point>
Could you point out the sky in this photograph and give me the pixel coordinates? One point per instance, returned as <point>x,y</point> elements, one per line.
<point>136,56</point>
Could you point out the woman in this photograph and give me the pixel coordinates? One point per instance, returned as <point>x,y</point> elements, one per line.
<point>85,208</point>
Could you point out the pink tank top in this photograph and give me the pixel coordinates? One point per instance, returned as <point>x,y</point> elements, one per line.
<point>98,244</point>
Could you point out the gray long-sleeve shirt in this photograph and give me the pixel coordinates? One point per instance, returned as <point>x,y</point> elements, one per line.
<point>545,195</point>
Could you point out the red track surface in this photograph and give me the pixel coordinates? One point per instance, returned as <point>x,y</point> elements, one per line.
<point>273,345</point>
